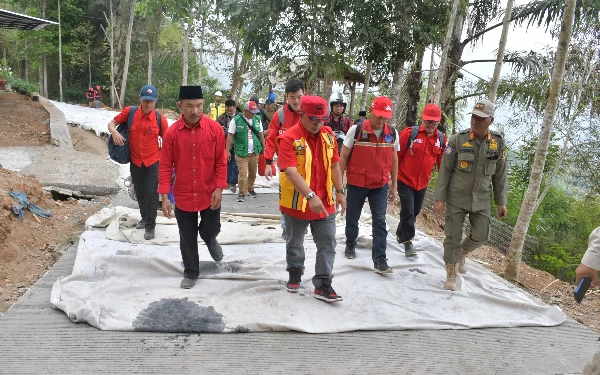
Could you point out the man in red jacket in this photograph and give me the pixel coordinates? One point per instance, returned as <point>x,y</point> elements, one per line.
<point>370,160</point>
<point>294,90</point>
<point>414,171</point>
<point>309,157</point>
<point>145,154</point>
<point>194,147</point>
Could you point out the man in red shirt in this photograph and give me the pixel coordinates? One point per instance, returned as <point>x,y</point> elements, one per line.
<point>414,171</point>
<point>145,154</point>
<point>372,163</point>
<point>308,155</point>
<point>294,90</point>
<point>194,147</point>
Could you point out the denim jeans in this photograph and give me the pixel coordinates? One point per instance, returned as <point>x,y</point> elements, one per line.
<point>232,169</point>
<point>355,200</point>
<point>411,202</point>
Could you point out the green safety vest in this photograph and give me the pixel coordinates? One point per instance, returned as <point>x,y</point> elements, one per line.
<point>240,140</point>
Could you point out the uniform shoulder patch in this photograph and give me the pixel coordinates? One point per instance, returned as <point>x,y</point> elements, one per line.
<point>449,149</point>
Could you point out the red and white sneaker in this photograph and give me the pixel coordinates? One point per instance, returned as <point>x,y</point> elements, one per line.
<point>293,284</point>
<point>327,294</point>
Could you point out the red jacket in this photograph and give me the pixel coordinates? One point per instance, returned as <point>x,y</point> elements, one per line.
<point>342,124</point>
<point>143,136</point>
<point>318,180</point>
<point>414,170</point>
<point>200,162</point>
<point>370,164</point>
<point>275,130</point>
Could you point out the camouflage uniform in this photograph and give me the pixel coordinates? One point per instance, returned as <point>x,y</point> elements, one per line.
<point>471,169</point>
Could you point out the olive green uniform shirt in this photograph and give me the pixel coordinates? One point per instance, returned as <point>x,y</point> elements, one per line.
<point>471,169</point>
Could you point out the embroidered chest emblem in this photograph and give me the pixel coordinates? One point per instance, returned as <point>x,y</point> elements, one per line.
<point>467,144</point>
<point>388,138</point>
<point>365,134</point>
<point>464,164</point>
<point>493,145</point>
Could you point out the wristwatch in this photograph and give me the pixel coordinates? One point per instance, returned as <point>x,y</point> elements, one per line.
<point>310,195</point>
<point>342,191</point>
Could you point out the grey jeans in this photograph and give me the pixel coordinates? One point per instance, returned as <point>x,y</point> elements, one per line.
<point>323,232</point>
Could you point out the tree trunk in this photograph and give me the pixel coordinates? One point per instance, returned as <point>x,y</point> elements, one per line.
<point>186,48</point>
<point>515,251</point>
<point>150,53</point>
<point>235,75</point>
<point>365,92</point>
<point>396,89</point>
<point>501,47</point>
<point>201,52</point>
<point>327,83</point>
<point>111,42</point>
<point>447,103</point>
<point>90,64</point>
<point>26,61</point>
<point>414,88</point>
<point>45,74</point>
<point>441,76</point>
<point>430,80</point>
<point>352,97</point>
<point>576,111</point>
<point>60,90</point>
<point>127,55</point>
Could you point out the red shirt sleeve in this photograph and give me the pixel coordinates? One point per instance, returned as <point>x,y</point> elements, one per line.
<point>274,127</point>
<point>286,156</point>
<point>220,157</point>
<point>122,116</point>
<point>165,167</point>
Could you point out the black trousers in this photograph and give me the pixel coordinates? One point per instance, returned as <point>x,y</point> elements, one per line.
<point>145,184</point>
<point>209,228</point>
<point>411,202</point>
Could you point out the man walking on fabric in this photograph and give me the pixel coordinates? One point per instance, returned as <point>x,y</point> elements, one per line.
<point>474,165</point>
<point>224,120</point>
<point>145,154</point>
<point>245,134</point>
<point>416,159</point>
<point>370,160</point>
<point>283,119</point>
<point>308,155</point>
<point>195,147</point>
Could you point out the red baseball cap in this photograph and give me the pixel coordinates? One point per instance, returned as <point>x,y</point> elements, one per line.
<point>382,106</point>
<point>251,107</point>
<point>314,107</point>
<point>431,112</point>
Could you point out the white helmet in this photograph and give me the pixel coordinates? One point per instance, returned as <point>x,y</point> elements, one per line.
<point>337,98</point>
<point>218,93</point>
<point>261,101</point>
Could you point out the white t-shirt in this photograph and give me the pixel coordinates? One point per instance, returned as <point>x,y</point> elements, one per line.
<point>233,127</point>
<point>351,137</point>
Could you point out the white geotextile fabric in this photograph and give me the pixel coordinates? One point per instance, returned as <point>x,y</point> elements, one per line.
<point>118,285</point>
<point>120,226</point>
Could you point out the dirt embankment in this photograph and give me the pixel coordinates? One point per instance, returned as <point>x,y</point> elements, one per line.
<point>30,246</point>
<point>24,122</point>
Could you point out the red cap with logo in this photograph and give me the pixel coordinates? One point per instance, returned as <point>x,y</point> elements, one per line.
<point>314,107</point>
<point>431,112</point>
<point>251,107</point>
<point>382,106</point>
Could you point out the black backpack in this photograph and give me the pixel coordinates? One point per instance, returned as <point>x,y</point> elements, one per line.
<point>413,135</point>
<point>121,154</point>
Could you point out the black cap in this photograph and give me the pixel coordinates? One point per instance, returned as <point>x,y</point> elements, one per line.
<point>190,92</point>
<point>362,113</point>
